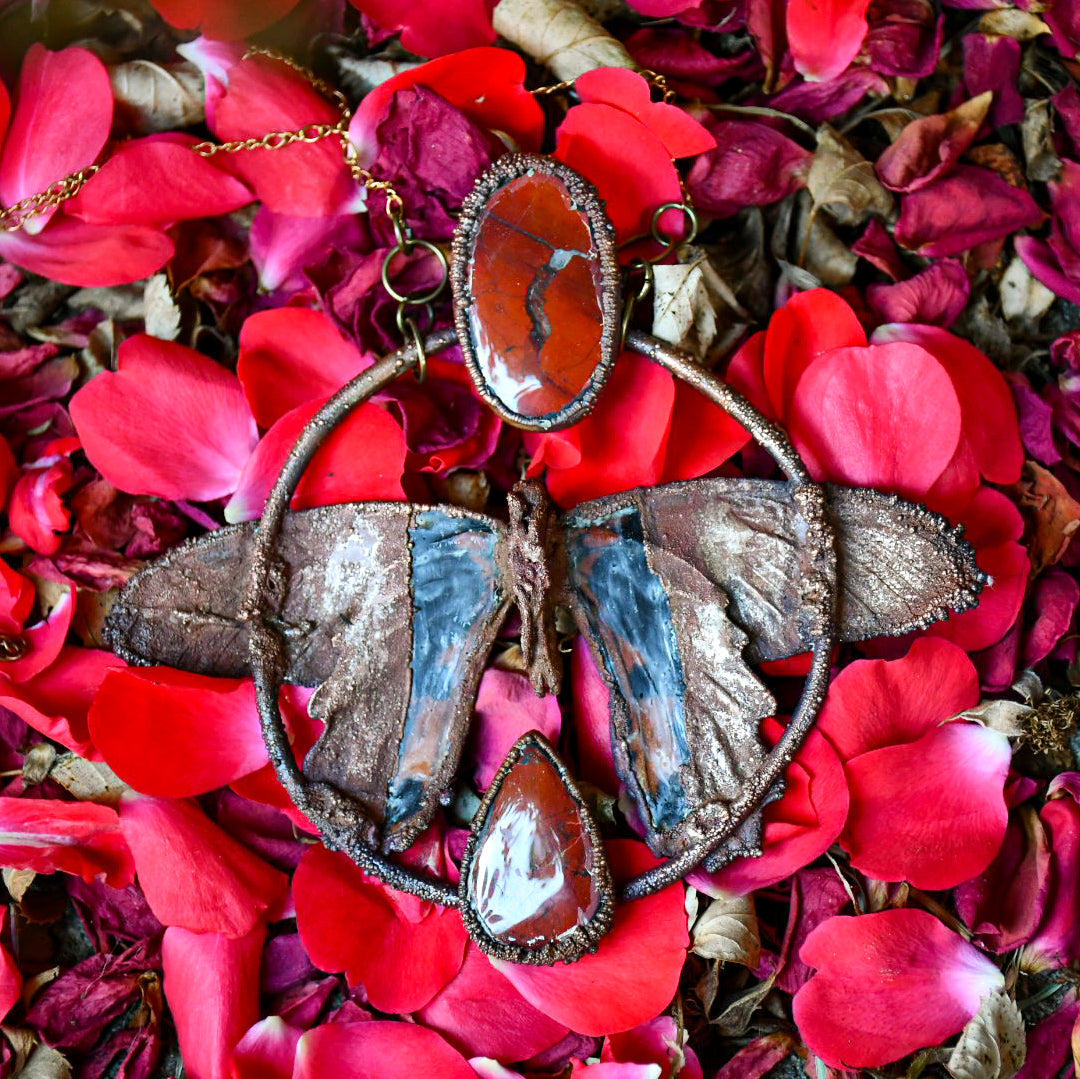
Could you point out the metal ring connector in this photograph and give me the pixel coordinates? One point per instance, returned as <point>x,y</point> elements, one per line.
<point>404,245</point>
<point>669,243</point>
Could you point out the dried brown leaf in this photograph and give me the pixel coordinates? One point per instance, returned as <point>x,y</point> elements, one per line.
<point>993,1045</point>
<point>1010,22</point>
<point>843,182</point>
<point>88,781</point>
<point>1001,159</point>
<point>1023,296</point>
<point>1001,716</point>
<point>161,314</point>
<point>728,931</point>
<point>45,1063</point>
<point>1037,134</point>
<point>1052,512</point>
<point>151,97</point>
<point>559,35</point>
<point>17,881</point>
<point>821,252</point>
<point>687,298</point>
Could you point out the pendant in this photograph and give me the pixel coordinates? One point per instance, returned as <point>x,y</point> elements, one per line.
<point>391,609</point>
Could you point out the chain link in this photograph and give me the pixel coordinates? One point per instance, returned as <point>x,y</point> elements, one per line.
<point>14,217</point>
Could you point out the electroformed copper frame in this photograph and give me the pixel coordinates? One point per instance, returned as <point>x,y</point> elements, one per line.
<point>337,818</point>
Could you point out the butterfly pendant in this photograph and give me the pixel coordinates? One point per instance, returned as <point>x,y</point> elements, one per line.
<point>391,609</point>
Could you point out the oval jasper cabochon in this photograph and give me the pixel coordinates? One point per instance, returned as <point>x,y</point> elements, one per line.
<point>536,291</point>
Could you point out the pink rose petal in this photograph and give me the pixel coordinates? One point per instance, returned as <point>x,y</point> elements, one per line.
<point>635,970</point>
<point>376,1050</point>
<point>655,1042</point>
<point>987,407</point>
<point>156,181</point>
<point>506,708</point>
<point>195,875</point>
<point>480,1013</point>
<point>825,35</point>
<point>887,984</point>
<point>61,122</point>
<point>201,434</point>
<point>266,1051</point>
<point>212,988</point>
<point>860,417</point>
<point>935,296</point>
<point>74,252</point>
<point>931,812</point>
<point>873,703</point>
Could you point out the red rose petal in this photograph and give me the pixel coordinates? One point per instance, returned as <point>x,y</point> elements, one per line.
<point>174,734</point>
<point>986,402</point>
<point>799,827</point>
<point>861,416</point>
<point>56,702</point>
<point>226,21</point>
<point>681,135</point>
<point>631,168</point>
<point>361,460</point>
<point>887,984</point>
<point>486,84</point>
<point>481,1014</point>
<point>49,836</point>
<point>930,812</point>
<point>61,122</point>
<point>156,181</point>
<point>349,922</point>
<point>201,431</point>
<point>825,35</point>
<point>874,703</point>
<point>246,98</point>
<point>433,30</point>
<point>1058,941</point>
<point>594,457</point>
<point>634,972</point>
<point>44,641</point>
<point>702,436</point>
<point>292,355</point>
<point>592,719</point>
<point>74,252</point>
<point>10,978</point>
<point>212,988</point>
<point>807,326</point>
<point>195,875</point>
<point>375,1050</point>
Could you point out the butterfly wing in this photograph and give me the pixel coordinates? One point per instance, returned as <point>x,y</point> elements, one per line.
<point>685,707</point>
<point>389,608</point>
<point>679,586</point>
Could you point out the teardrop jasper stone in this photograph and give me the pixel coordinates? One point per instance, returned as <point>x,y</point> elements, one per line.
<point>536,291</point>
<point>535,880</point>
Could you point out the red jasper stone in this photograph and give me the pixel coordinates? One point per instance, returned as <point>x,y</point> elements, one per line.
<point>531,875</point>
<point>536,318</point>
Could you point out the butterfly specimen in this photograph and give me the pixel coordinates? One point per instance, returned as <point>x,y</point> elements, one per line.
<point>391,609</point>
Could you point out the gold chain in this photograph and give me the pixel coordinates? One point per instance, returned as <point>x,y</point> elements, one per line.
<point>653,78</point>
<point>15,217</point>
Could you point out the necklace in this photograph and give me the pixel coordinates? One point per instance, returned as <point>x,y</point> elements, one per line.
<point>391,608</point>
